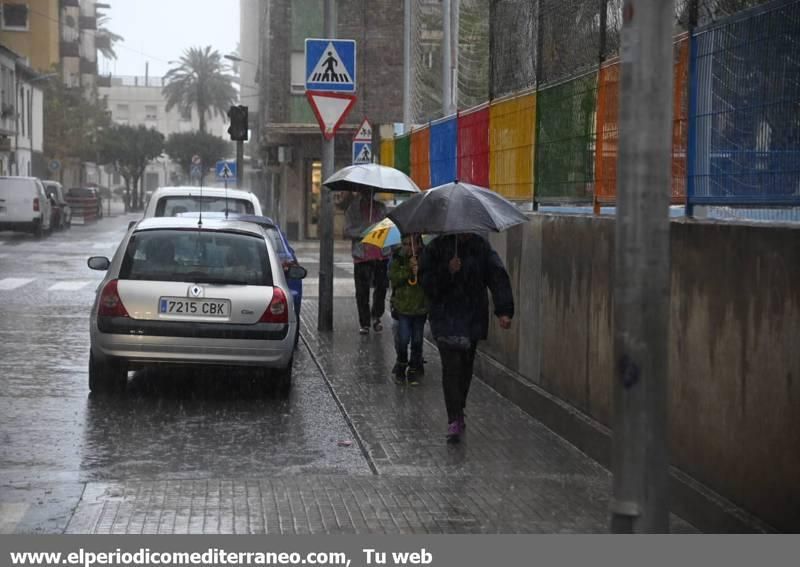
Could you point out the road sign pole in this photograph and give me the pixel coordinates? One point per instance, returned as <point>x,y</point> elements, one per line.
<point>640,502</point>
<point>239,163</point>
<point>325,314</point>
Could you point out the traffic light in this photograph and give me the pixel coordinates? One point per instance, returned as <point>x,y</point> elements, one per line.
<point>238,118</point>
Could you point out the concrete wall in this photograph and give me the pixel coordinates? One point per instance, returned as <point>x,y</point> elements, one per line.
<point>734,406</point>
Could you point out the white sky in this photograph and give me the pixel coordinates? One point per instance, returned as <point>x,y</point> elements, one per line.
<point>158,31</point>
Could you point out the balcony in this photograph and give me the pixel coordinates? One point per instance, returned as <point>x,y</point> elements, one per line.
<point>70,4</point>
<point>87,23</point>
<point>69,49</point>
<point>88,67</point>
<point>103,80</point>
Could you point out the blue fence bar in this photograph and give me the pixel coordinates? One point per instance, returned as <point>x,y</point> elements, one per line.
<point>443,150</point>
<point>745,109</point>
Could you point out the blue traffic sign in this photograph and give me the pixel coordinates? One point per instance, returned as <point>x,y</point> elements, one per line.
<point>331,65</point>
<point>362,152</point>
<point>226,170</point>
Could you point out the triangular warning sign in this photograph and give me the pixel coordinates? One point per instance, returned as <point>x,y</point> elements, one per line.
<point>364,133</point>
<point>330,109</point>
<point>330,69</point>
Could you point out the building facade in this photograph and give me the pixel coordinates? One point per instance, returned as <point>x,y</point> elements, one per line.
<point>31,29</point>
<point>138,101</point>
<point>290,140</point>
<point>29,138</point>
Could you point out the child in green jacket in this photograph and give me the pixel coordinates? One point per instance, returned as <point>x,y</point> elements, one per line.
<point>409,308</point>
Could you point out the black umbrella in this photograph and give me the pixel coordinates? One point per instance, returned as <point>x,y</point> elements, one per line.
<point>454,208</point>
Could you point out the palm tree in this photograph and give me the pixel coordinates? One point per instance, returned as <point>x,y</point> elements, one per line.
<point>106,37</point>
<point>200,81</point>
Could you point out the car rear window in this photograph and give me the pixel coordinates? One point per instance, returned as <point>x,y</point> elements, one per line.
<point>173,206</point>
<point>197,256</point>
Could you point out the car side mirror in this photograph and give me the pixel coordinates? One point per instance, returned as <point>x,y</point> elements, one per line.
<point>98,263</point>
<point>296,272</point>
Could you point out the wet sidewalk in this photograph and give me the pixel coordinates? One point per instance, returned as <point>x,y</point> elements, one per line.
<point>525,477</point>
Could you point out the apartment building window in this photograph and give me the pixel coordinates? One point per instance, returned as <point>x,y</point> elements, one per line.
<point>151,112</point>
<point>298,72</point>
<point>123,112</point>
<point>15,16</point>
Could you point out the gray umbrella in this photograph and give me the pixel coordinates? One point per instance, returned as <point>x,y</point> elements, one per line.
<point>371,176</point>
<point>456,207</point>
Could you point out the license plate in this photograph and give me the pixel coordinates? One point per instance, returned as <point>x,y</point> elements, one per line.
<point>183,307</point>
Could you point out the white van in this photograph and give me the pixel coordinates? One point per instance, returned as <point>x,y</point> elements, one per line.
<point>24,205</point>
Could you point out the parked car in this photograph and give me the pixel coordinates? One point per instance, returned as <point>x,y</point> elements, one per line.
<point>62,213</point>
<point>182,294</point>
<point>242,205</point>
<point>87,193</point>
<point>170,201</point>
<point>24,205</point>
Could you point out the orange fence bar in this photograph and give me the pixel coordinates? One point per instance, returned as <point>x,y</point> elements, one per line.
<point>420,157</point>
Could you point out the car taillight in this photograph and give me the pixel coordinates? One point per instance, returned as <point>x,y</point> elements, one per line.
<point>110,304</point>
<point>36,205</point>
<point>278,309</point>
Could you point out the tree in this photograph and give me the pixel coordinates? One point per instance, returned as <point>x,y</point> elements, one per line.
<point>181,147</point>
<point>200,81</point>
<point>105,37</point>
<point>130,149</point>
<point>72,121</point>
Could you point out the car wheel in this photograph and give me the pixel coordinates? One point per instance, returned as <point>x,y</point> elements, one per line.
<point>107,377</point>
<point>38,231</point>
<point>283,379</point>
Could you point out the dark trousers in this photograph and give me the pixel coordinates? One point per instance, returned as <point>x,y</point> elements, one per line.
<point>409,329</point>
<point>367,274</point>
<point>456,378</point>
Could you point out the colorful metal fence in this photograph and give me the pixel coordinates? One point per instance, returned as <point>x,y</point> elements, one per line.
<point>387,152</point>
<point>511,138</point>
<point>420,157</point>
<point>444,151</point>
<point>564,140</point>
<point>744,140</point>
<point>473,146</point>
<point>735,139</point>
<point>402,153</point>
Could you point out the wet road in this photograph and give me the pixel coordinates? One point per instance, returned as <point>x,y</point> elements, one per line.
<point>54,436</point>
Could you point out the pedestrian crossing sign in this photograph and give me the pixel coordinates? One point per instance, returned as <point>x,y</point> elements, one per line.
<point>331,65</point>
<point>362,152</point>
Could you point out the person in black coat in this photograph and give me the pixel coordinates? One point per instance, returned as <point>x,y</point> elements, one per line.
<point>455,272</point>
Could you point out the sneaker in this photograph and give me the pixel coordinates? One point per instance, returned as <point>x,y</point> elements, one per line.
<point>377,325</point>
<point>454,432</point>
<point>399,373</point>
<point>364,330</point>
<point>413,375</point>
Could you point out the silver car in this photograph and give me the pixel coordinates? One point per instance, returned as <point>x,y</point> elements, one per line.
<point>184,293</point>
